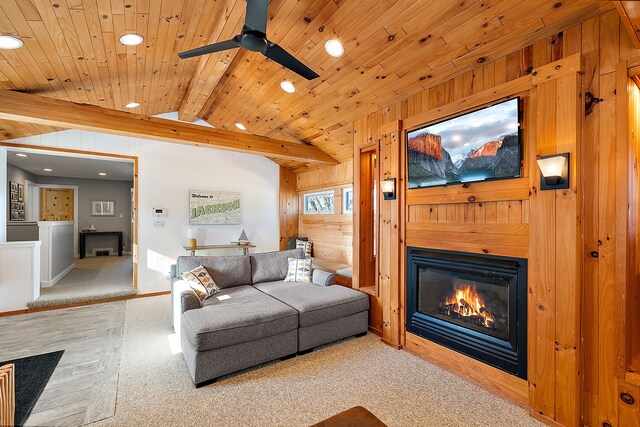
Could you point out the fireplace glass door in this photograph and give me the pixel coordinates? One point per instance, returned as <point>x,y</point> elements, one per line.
<point>475,304</point>
<point>471,299</point>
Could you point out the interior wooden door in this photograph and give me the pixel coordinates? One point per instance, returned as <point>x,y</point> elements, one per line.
<point>56,204</point>
<point>368,219</point>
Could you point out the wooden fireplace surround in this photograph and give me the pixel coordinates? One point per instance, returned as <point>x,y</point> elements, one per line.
<point>546,227</point>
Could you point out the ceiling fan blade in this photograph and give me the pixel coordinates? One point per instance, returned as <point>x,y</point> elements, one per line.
<point>257,15</point>
<point>287,60</point>
<point>211,48</point>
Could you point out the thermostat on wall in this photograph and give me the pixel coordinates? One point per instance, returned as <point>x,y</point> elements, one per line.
<point>159,212</point>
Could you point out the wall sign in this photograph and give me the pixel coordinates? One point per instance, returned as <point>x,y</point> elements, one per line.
<point>213,207</point>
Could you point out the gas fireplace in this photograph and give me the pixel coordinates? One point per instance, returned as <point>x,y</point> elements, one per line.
<point>474,304</point>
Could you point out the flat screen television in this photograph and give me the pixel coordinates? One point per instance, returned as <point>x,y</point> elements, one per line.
<point>478,146</point>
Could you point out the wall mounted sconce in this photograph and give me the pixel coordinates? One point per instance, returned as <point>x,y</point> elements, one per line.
<point>554,171</point>
<point>388,187</point>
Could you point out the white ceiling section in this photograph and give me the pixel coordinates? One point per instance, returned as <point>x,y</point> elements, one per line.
<point>71,165</point>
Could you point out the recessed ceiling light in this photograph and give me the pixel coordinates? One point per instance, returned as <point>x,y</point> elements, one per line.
<point>132,105</point>
<point>131,39</point>
<point>240,126</point>
<point>47,170</point>
<point>102,173</point>
<point>334,48</point>
<point>21,155</point>
<point>10,42</point>
<point>287,87</point>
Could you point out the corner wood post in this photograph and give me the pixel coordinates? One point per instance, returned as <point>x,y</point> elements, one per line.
<point>555,247</point>
<point>391,222</point>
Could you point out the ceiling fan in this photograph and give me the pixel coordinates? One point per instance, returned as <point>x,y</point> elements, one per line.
<point>254,38</point>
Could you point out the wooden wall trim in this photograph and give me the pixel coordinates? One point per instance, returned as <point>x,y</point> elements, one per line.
<point>288,202</point>
<point>510,387</point>
<point>566,66</point>
<point>515,189</point>
<point>494,95</point>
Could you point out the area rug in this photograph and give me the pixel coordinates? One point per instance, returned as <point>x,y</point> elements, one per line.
<point>31,376</point>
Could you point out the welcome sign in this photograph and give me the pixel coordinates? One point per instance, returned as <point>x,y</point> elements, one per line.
<point>213,207</point>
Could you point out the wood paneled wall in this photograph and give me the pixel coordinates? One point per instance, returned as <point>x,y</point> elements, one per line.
<point>576,240</point>
<point>288,206</point>
<point>332,235</point>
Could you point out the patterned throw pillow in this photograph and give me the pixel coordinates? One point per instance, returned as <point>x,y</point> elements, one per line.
<point>201,282</point>
<point>299,270</point>
<point>306,247</point>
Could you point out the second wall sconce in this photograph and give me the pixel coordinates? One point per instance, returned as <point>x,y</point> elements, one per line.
<point>554,171</point>
<point>388,187</point>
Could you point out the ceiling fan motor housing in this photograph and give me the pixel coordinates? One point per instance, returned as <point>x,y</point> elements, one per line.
<point>253,42</point>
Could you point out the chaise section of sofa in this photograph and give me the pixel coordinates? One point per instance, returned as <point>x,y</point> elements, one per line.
<point>235,329</point>
<point>325,313</point>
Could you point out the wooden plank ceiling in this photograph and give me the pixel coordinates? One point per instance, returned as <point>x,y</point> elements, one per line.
<point>393,48</point>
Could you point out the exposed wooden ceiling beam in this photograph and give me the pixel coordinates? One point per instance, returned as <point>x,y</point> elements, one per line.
<point>54,112</point>
<point>630,13</point>
<point>212,67</point>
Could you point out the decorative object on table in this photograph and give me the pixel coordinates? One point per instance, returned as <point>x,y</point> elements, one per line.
<point>306,246</point>
<point>213,207</point>
<point>243,239</point>
<point>192,234</point>
<point>103,208</point>
<point>88,228</point>
<point>299,270</point>
<point>16,201</point>
<point>201,282</point>
<point>31,376</point>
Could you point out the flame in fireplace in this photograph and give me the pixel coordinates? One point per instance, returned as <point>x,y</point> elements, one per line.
<point>465,301</point>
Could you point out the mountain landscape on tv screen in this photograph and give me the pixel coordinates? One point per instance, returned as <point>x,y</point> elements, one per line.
<point>478,146</point>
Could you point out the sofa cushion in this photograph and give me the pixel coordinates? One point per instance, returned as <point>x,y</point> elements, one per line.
<point>270,266</point>
<point>226,271</point>
<point>237,315</point>
<point>299,270</point>
<point>317,304</point>
<point>201,282</point>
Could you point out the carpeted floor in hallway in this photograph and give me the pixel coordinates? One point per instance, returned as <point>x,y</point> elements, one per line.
<point>401,389</point>
<point>93,279</point>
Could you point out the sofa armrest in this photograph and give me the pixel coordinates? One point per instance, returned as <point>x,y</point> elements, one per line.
<point>189,300</point>
<point>174,271</point>
<point>323,278</point>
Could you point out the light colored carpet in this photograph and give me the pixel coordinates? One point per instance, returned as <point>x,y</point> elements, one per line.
<point>93,279</point>
<point>401,389</point>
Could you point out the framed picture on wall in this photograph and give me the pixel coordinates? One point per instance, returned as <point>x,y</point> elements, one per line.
<point>103,208</point>
<point>20,193</point>
<point>214,207</point>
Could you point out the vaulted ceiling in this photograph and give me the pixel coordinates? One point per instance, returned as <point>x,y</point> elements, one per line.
<point>393,48</point>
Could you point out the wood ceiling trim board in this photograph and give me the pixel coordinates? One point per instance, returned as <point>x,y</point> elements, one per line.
<point>179,16</point>
<point>153,18</point>
<point>40,110</point>
<point>630,15</point>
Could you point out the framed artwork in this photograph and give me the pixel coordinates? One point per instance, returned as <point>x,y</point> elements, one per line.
<point>213,208</point>
<point>103,208</point>
<point>16,201</point>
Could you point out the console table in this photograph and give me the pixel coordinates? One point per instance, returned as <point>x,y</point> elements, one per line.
<point>245,248</point>
<point>84,234</point>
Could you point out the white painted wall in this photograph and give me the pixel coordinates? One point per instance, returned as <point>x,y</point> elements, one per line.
<point>3,194</point>
<point>166,172</point>
<point>19,274</point>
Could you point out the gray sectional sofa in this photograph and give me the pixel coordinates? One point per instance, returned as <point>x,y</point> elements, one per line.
<point>257,317</point>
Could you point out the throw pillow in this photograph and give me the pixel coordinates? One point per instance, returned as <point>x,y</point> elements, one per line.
<point>291,242</point>
<point>201,282</point>
<point>306,247</point>
<point>299,270</point>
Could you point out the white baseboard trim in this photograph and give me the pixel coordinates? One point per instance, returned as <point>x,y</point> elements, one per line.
<point>59,277</point>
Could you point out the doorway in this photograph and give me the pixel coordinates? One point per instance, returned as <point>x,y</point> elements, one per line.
<point>368,220</point>
<point>97,194</point>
